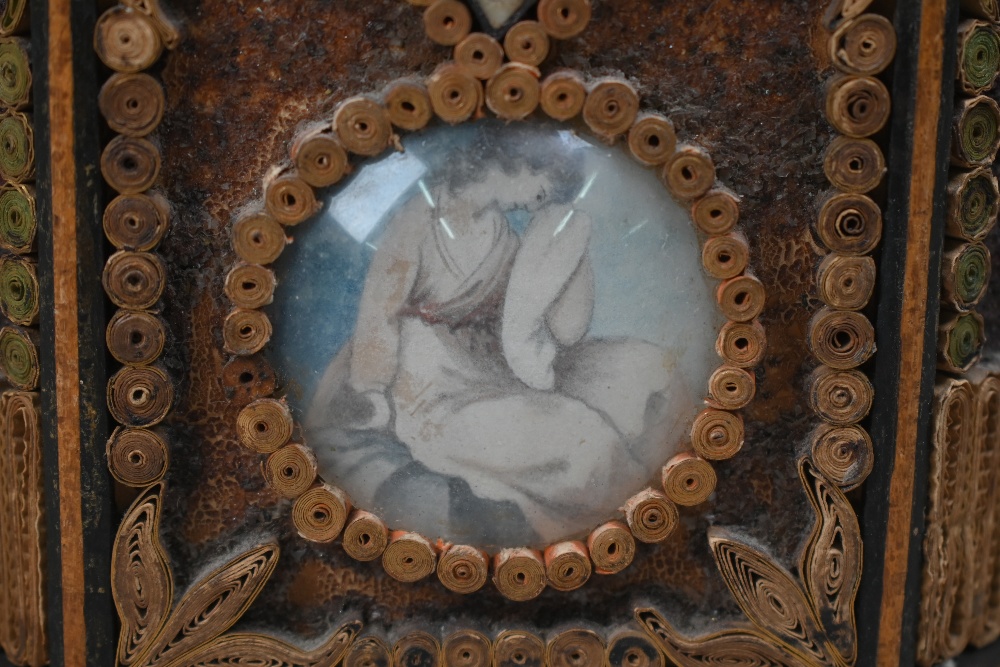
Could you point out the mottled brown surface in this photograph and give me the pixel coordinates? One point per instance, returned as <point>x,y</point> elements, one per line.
<point>740,78</point>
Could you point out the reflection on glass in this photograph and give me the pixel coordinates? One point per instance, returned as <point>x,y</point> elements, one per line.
<point>497,336</point>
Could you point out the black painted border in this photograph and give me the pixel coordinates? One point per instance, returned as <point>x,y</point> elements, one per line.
<point>99,517</point>
<point>888,370</point>
<point>988,656</point>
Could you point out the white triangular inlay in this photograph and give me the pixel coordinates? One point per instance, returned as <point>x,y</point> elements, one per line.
<point>498,12</point>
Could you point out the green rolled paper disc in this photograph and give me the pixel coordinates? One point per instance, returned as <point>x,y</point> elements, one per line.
<point>972,273</point>
<point>18,359</point>
<point>17,219</point>
<point>978,131</point>
<point>17,155</point>
<point>980,57</point>
<point>965,341</point>
<point>978,201</point>
<point>15,73</point>
<point>18,291</point>
<point>18,222</point>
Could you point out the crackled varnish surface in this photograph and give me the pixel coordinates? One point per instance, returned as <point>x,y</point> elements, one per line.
<point>744,80</point>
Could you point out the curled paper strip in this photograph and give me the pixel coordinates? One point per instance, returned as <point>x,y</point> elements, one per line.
<point>135,336</point>
<point>289,199</point>
<point>854,165</point>
<point>408,557</point>
<point>15,66</point>
<point>863,45</point>
<point>480,54</point>
<point>17,147</point>
<point>527,42</point>
<point>19,357</point>
<point>130,164</point>
<point>519,574</point>
<point>126,40</point>
<point>409,105</point>
<point>567,565</point>
<point>467,648</point>
<point>840,396</point>
<point>140,395</point>
<point>563,95</point>
<point>688,480</point>
<point>965,274</point>
<point>137,456</point>
<point>564,19</point>
<point>18,221</point>
<point>513,648</point>
<point>365,536</point>
<point>321,512</point>
<point>960,341</point>
<point>611,107</point>
<point>689,173</point>
<point>978,56</point>
<point>291,471</point>
<point>19,290</point>
<point>463,569</point>
<point>513,92</point>
<point>258,239</point>
<point>846,282</point>
<point>844,454</point>
<point>455,94</point>
<point>975,132</point>
<point>246,331</point>
<point>447,22</point>
<point>132,104</point>
<point>134,279</point>
<point>651,516</point>
<point>841,339</point>
<point>136,222</point>
<point>611,547</point>
<point>973,202</point>
<point>575,647</point>
<point>264,425</point>
<point>652,139</point>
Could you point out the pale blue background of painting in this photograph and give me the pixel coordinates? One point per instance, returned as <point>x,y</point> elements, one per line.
<point>647,261</point>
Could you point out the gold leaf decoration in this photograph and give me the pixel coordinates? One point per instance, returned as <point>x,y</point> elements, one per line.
<point>831,563</point>
<point>214,603</point>
<point>810,623</point>
<point>141,583</point>
<point>251,650</point>
<point>729,648</point>
<point>768,595</point>
<point>192,633</point>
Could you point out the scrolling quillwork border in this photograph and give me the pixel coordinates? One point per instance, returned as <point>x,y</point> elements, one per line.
<point>789,620</point>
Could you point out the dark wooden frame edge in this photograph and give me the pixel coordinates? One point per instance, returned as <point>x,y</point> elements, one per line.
<point>888,372</point>
<point>99,518</point>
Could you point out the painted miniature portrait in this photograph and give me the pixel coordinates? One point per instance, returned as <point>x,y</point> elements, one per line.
<point>499,333</point>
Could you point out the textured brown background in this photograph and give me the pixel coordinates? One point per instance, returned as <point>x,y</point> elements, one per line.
<point>743,79</point>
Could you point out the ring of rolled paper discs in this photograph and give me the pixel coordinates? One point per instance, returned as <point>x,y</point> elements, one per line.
<point>456,92</point>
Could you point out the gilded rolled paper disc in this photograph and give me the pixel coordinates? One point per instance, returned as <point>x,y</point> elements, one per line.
<point>527,42</point>
<point>480,54</point>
